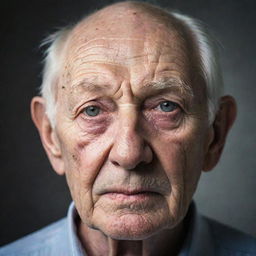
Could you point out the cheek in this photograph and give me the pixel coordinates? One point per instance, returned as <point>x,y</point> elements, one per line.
<point>84,154</point>
<point>181,154</point>
<point>182,147</point>
<point>84,148</point>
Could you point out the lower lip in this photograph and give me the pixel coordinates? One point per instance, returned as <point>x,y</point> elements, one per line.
<point>133,197</point>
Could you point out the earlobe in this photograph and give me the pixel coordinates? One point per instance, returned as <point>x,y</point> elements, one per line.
<point>47,134</point>
<point>224,120</point>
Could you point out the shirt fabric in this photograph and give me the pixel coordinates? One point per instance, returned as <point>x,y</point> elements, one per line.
<point>204,237</point>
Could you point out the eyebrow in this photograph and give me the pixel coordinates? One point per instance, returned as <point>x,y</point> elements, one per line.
<point>90,86</point>
<point>175,84</point>
<point>171,83</point>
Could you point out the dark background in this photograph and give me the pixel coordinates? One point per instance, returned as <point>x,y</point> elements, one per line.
<point>32,195</point>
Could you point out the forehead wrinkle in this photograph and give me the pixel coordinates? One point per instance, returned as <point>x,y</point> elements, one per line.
<point>101,42</point>
<point>93,58</point>
<point>112,38</point>
<point>101,54</point>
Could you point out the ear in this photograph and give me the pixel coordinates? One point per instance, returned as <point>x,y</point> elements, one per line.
<point>224,119</point>
<point>47,133</point>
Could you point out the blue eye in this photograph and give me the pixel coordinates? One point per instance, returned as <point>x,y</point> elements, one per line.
<point>168,106</point>
<point>92,110</point>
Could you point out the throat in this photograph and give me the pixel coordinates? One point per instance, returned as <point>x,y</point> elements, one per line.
<point>125,248</point>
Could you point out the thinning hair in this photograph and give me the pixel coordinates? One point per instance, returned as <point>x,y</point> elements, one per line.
<point>205,44</point>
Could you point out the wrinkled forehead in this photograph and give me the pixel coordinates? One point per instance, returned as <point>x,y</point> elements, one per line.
<point>126,36</point>
<point>127,51</point>
<point>111,50</point>
<point>134,46</point>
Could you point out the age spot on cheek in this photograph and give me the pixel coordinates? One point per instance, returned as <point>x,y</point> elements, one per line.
<point>74,157</point>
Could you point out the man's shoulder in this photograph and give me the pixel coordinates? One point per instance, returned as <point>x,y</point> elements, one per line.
<point>230,241</point>
<point>41,242</point>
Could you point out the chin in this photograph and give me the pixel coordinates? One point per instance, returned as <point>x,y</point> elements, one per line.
<point>132,226</point>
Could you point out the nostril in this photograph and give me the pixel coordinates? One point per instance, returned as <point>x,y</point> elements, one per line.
<point>115,163</point>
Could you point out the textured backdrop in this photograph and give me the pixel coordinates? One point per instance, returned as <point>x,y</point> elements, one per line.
<point>32,195</point>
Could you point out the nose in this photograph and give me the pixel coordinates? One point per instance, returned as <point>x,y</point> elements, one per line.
<point>130,147</point>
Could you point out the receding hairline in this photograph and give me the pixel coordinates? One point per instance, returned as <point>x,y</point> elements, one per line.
<point>148,11</point>
<point>134,7</point>
<point>154,14</point>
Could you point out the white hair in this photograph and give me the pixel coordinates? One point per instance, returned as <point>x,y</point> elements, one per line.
<point>209,61</point>
<point>51,70</point>
<point>208,57</point>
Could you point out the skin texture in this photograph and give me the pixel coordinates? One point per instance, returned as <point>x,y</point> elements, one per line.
<point>133,168</point>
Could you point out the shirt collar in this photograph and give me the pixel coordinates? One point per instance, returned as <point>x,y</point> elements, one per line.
<point>75,244</point>
<point>198,240</point>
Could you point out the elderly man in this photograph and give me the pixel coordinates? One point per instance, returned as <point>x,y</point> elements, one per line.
<point>132,112</point>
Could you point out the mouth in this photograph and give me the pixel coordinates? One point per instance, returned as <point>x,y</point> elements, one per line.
<point>131,195</point>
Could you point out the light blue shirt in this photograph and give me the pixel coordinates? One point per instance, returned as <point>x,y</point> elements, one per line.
<point>205,237</point>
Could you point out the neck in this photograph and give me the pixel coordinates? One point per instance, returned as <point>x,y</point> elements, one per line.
<point>166,242</point>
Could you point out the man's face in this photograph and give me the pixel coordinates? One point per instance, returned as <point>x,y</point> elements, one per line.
<point>132,126</point>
